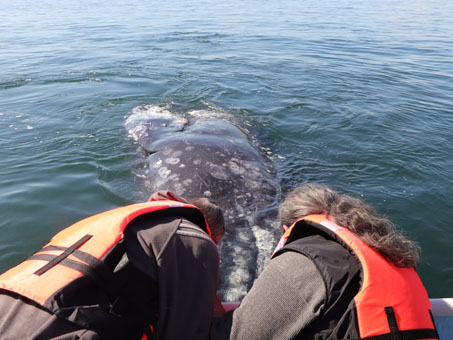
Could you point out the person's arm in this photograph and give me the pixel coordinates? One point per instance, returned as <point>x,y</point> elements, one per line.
<point>184,262</point>
<point>285,298</point>
<point>188,280</point>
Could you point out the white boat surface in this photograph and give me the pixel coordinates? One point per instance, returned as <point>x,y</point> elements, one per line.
<point>443,317</point>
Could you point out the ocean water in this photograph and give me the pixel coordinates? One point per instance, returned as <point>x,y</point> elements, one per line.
<point>356,95</point>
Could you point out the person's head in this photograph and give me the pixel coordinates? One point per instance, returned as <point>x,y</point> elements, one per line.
<point>352,213</point>
<point>213,215</point>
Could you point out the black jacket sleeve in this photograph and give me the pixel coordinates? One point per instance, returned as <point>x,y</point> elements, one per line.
<point>185,263</point>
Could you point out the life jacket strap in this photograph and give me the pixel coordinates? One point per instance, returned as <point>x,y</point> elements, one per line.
<point>413,334</point>
<point>396,334</point>
<point>99,266</point>
<point>68,251</point>
<point>91,267</point>
<point>391,318</point>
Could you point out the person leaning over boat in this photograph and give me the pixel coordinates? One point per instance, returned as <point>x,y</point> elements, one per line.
<point>143,271</point>
<point>340,271</point>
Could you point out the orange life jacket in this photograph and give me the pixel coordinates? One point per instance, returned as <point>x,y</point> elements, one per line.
<point>80,251</point>
<point>391,302</point>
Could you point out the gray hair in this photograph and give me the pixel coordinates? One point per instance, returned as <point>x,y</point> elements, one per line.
<point>352,213</point>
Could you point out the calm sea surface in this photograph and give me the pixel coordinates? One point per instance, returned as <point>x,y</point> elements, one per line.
<point>354,94</point>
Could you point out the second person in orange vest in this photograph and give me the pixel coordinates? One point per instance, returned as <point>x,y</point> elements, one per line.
<point>340,271</point>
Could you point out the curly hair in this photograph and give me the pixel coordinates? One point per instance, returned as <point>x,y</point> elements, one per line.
<point>352,213</point>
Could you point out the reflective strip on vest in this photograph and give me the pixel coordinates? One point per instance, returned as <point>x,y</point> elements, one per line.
<point>23,278</point>
<point>383,285</point>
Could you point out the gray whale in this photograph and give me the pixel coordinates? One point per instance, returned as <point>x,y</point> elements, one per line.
<point>207,153</point>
